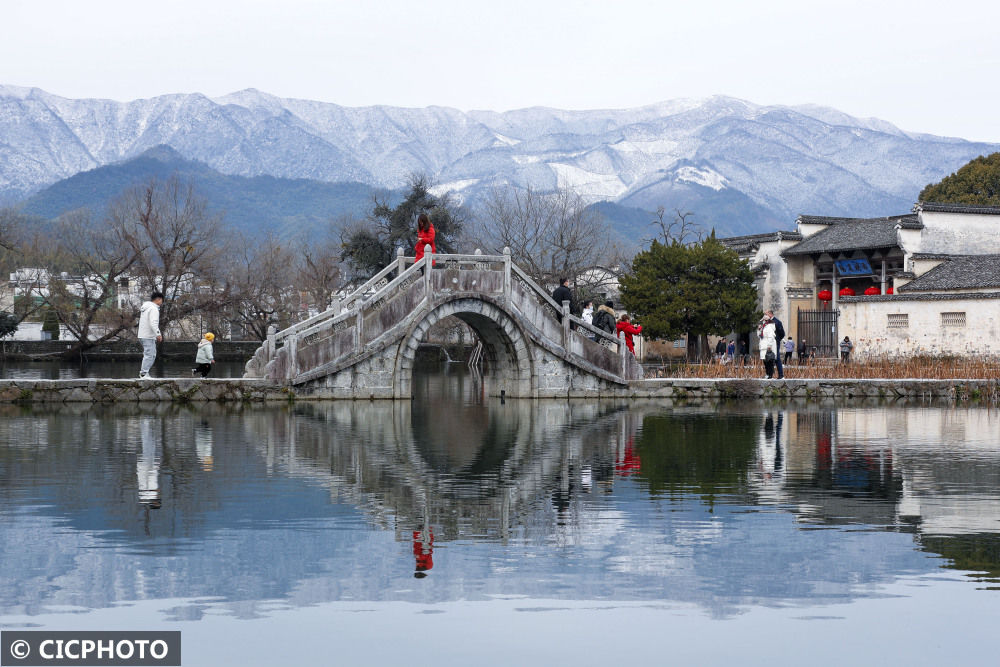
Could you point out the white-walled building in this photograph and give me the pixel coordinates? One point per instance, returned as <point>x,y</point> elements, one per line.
<point>932,277</point>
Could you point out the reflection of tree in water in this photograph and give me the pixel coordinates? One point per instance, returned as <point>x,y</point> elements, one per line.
<point>708,454</point>
<point>977,552</point>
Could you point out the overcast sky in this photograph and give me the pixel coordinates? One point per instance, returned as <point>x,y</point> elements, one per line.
<point>925,66</point>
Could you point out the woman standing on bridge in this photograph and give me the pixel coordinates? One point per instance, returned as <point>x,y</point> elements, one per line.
<point>629,329</point>
<point>425,235</point>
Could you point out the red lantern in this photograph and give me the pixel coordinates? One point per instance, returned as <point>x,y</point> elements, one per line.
<point>847,291</point>
<point>889,291</point>
<point>825,295</point>
<point>872,291</point>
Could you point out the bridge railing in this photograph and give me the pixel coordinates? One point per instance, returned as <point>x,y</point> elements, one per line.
<point>383,285</point>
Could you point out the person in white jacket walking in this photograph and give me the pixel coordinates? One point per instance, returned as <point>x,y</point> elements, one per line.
<point>149,331</point>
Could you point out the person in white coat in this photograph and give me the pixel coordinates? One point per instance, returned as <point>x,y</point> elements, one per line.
<point>149,331</point>
<point>768,343</point>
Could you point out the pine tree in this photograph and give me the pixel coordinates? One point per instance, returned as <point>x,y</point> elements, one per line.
<point>977,183</point>
<point>369,246</point>
<point>698,289</point>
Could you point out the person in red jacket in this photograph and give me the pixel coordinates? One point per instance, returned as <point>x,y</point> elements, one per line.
<point>625,325</point>
<point>425,235</point>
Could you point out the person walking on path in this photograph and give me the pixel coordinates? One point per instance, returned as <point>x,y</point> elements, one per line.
<point>845,349</point>
<point>605,319</point>
<point>779,335</point>
<point>768,346</point>
<point>731,351</point>
<point>720,351</point>
<point>425,236</point>
<point>206,355</point>
<point>628,329</point>
<point>803,352</point>
<point>149,331</point>
<point>789,349</point>
<point>563,293</point>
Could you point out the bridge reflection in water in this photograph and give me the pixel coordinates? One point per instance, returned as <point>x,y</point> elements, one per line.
<point>236,508</point>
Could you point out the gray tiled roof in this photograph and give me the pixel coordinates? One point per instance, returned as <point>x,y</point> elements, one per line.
<point>905,218</point>
<point>919,296</point>
<point>956,208</point>
<point>753,241</point>
<point>844,234</point>
<point>959,272</point>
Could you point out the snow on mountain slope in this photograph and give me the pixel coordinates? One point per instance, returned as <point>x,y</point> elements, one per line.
<point>785,160</point>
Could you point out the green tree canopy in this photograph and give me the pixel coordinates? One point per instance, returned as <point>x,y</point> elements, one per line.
<point>370,245</point>
<point>698,289</point>
<point>976,183</point>
<point>8,324</point>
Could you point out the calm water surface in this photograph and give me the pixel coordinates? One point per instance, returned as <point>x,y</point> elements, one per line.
<point>456,530</point>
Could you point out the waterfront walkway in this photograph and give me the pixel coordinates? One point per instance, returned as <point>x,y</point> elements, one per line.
<point>192,390</point>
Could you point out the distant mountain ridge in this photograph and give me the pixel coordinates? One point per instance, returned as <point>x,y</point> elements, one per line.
<point>255,205</point>
<point>741,167</point>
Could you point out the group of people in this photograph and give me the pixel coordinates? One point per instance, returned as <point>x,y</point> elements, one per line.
<point>150,335</point>
<point>603,318</point>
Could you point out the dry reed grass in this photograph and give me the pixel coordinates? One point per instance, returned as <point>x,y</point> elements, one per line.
<point>883,368</point>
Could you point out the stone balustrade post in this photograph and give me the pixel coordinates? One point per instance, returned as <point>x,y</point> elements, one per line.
<point>400,262</point>
<point>428,263</point>
<point>565,325</point>
<point>622,351</point>
<point>292,365</point>
<point>506,276</point>
<point>271,343</point>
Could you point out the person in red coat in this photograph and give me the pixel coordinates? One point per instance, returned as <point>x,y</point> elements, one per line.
<point>425,235</point>
<point>625,325</point>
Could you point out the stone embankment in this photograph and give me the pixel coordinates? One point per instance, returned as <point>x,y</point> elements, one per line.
<point>186,390</point>
<point>178,390</point>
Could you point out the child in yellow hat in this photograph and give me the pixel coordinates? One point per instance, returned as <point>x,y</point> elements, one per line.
<point>205,357</point>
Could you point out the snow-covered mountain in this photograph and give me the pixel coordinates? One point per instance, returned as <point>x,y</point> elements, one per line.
<point>682,153</point>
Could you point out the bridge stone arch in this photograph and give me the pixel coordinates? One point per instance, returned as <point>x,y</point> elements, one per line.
<point>505,346</point>
<point>364,346</point>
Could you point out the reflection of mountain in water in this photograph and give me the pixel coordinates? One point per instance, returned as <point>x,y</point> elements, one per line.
<point>548,499</point>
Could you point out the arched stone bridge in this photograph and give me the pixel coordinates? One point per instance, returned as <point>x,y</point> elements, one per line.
<point>364,347</point>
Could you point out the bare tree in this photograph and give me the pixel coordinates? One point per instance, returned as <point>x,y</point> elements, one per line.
<point>318,270</point>
<point>264,293</point>
<point>30,253</point>
<point>680,228</point>
<point>100,260</point>
<point>551,235</point>
<point>179,246</point>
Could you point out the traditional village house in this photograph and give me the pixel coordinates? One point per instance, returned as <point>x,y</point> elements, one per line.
<point>927,282</point>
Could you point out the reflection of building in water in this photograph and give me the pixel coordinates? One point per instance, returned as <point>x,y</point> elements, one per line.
<point>897,467</point>
<point>147,465</point>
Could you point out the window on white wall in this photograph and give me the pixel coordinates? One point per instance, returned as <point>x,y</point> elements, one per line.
<point>899,321</point>
<point>953,319</point>
<point>680,342</point>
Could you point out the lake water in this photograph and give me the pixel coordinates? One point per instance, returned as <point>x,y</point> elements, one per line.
<point>457,530</point>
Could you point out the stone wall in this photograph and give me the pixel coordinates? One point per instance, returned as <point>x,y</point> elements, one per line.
<point>866,321</point>
<point>184,390</point>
